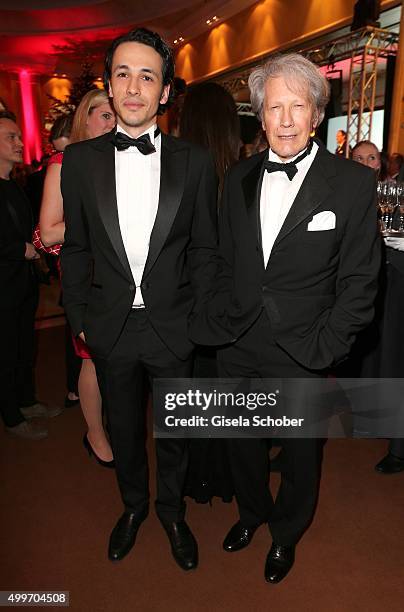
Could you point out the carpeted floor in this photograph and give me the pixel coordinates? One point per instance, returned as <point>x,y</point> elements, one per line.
<point>58,508</point>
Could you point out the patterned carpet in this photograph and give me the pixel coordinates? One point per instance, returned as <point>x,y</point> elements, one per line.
<point>58,508</point>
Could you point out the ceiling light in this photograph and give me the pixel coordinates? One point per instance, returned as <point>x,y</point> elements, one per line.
<point>212,20</point>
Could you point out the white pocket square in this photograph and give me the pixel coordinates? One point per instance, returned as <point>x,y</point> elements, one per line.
<point>324,220</point>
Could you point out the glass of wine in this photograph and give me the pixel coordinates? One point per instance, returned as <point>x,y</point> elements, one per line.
<point>382,199</point>
<point>400,201</point>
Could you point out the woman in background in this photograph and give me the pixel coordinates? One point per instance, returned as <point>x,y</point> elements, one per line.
<point>93,117</point>
<point>366,153</point>
<point>384,357</point>
<point>209,118</point>
<point>59,138</point>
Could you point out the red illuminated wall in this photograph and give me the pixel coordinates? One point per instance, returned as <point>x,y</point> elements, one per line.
<point>30,123</point>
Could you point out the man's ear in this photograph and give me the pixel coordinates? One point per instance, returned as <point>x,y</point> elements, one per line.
<point>110,94</point>
<point>165,94</point>
<point>314,120</point>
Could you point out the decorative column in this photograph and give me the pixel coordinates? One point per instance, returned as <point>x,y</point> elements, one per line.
<point>31,127</point>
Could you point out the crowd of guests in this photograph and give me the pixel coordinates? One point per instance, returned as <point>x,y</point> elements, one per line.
<point>124,267</point>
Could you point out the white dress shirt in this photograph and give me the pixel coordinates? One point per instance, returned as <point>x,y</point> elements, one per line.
<point>137,194</point>
<point>277,196</point>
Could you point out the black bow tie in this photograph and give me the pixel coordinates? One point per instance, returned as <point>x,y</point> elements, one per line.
<point>122,142</point>
<point>291,167</point>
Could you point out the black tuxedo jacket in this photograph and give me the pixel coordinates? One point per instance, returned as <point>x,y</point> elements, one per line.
<point>98,287</point>
<point>319,287</point>
<point>17,277</point>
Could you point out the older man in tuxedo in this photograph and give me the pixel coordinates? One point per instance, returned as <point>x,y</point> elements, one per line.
<point>297,278</point>
<point>140,211</point>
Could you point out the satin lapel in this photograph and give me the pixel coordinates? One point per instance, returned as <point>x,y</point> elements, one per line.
<point>252,183</point>
<point>105,188</point>
<point>314,190</point>
<point>174,160</point>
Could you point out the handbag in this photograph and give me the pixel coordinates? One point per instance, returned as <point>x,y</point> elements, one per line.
<point>38,244</point>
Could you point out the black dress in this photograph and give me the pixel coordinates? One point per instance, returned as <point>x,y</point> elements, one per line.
<point>209,472</point>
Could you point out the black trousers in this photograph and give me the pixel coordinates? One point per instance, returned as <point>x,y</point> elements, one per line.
<point>17,357</point>
<point>256,355</point>
<point>121,377</point>
<point>396,447</point>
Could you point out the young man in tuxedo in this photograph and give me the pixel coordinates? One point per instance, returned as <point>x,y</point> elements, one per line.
<point>298,268</point>
<point>140,234</point>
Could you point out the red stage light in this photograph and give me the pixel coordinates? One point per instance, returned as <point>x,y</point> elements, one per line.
<point>31,131</point>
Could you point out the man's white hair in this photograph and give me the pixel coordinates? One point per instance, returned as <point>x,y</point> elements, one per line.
<point>301,76</point>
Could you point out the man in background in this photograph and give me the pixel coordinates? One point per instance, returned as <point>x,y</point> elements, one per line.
<point>342,143</point>
<point>19,294</point>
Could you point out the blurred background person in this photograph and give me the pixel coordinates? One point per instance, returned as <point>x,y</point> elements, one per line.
<point>366,152</point>
<point>390,350</point>
<point>379,352</point>
<point>59,135</point>
<point>19,295</point>
<point>342,144</point>
<point>395,164</point>
<point>174,112</point>
<point>59,138</point>
<point>209,118</point>
<point>259,144</point>
<point>93,117</point>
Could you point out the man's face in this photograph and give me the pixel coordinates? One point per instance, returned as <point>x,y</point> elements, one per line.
<point>136,86</point>
<point>10,142</point>
<point>340,137</point>
<point>288,118</point>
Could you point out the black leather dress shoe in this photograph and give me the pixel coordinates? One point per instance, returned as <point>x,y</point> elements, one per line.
<point>279,561</point>
<point>184,547</point>
<point>238,537</point>
<point>123,535</point>
<point>390,464</point>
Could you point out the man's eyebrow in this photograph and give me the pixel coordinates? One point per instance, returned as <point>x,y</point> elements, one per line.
<point>150,70</point>
<point>125,67</point>
<point>121,67</point>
